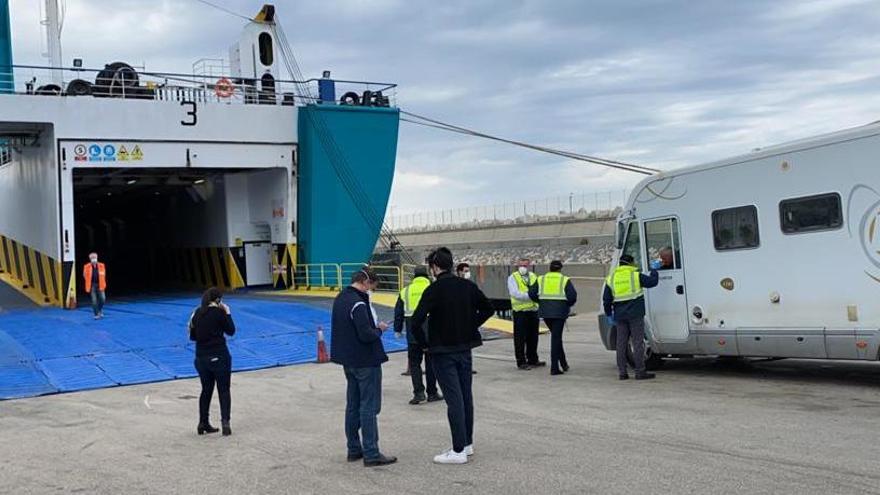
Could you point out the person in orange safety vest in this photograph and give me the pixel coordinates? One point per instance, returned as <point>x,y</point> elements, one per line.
<point>95,276</point>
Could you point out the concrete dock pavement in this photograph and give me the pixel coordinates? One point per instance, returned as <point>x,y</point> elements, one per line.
<point>703,426</point>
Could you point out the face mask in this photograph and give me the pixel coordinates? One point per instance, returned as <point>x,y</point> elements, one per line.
<point>93,260</point>
<point>466,275</point>
<point>523,270</point>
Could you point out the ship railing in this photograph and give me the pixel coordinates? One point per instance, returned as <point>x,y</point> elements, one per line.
<point>334,276</point>
<point>133,83</point>
<point>317,276</point>
<point>390,276</point>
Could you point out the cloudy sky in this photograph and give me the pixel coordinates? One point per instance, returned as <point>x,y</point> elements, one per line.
<point>657,83</point>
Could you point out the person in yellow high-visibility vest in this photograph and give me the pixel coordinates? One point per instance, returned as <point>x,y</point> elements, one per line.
<point>555,295</point>
<point>403,311</point>
<point>525,316</point>
<point>624,304</point>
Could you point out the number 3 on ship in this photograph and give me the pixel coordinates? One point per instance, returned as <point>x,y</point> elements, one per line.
<point>191,113</point>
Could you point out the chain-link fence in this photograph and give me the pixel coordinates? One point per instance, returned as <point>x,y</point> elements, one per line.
<point>572,206</point>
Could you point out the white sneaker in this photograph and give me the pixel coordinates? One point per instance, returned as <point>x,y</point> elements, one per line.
<point>469,450</point>
<point>451,457</point>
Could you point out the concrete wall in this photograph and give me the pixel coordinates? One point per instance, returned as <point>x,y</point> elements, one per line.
<point>561,233</point>
<point>29,196</point>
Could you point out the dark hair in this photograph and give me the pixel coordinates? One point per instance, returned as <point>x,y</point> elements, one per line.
<point>209,296</point>
<point>555,265</point>
<point>420,271</point>
<point>441,258</point>
<point>461,267</point>
<point>626,259</point>
<point>365,274</point>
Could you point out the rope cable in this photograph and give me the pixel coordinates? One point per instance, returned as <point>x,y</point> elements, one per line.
<point>429,122</point>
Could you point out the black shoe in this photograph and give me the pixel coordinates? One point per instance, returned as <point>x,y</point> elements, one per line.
<point>227,430</point>
<point>354,457</point>
<point>565,368</point>
<point>538,364</point>
<point>435,398</point>
<point>382,460</point>
<point>206,428</point>
<point>416,400</point>
<point>524,366</point>
<point>623,376</point>
<point>473,372</point>
<point>406,373</point>
<point>645,376</point>
<point>556,372</point>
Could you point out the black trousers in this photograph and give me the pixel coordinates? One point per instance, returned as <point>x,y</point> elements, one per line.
<point>214,368</point>
<point>557,351</point>
<point>414,354</point>
<point>525,337</point>
<point>456,380</point>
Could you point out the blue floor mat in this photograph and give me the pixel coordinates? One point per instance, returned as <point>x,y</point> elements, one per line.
<point>129,368</point>
<point>51,350</point>
<point>74,373</point>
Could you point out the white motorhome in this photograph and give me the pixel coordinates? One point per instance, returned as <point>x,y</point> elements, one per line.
<point>776,253</point>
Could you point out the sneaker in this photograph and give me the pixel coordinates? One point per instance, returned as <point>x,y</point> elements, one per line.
<point>435,398</point>
<point>416,400</point>
<point>469,450</point>
<point>97,317</point>
<point>645,376</point>
<point>382,460</point>
<point>451,457</point>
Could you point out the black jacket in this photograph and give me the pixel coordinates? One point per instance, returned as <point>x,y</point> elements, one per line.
<point>629,310</point>
<point>457,308</point>
<point>355,341</point>
<point>555,309</point>
<point>207,328</point>
<point>402,322</point>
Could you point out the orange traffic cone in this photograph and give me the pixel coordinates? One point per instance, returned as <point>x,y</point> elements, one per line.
<point>323,356</point>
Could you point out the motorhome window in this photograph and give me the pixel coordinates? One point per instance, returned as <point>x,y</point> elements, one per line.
<point>662,243</point>
<point>633,244</point>
<point>266,51</point>
<point>735,228</point>
<point>621,232</point>
<point>811,214</point>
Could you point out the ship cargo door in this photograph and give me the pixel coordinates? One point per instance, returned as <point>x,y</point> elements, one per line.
<point>667,303</point>
<point>157,229</point>
<point>258,260</point>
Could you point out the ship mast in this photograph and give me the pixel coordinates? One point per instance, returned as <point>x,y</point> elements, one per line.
<point>53,39</point>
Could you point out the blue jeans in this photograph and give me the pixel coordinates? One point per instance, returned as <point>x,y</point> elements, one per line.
<point>363,403</point>
<point>454,375</point>
<point>98,299</point>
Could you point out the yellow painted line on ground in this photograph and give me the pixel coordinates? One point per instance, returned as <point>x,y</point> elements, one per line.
<point>387,299</point>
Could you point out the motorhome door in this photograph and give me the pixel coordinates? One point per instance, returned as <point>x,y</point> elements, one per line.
<point>666,303</point>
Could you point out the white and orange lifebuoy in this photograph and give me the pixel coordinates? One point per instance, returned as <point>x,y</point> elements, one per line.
<point>224,88</point>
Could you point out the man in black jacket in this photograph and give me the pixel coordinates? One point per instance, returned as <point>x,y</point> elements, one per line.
<point>356,344</point>
<point>456,308</point>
